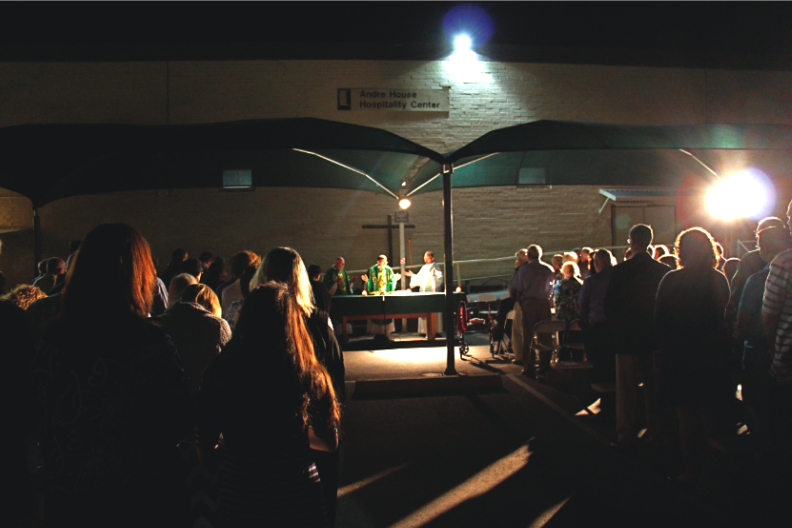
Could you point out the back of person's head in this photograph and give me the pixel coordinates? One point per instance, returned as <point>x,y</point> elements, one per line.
<point>202,295</point>
<point>586,251</point>
<point>534,251</point>
<point>314,270</point>
<point>569,256</point>
<point>56,266</point>
<point>264,317</point>
<point>42,266</point>
<point>112,274</point>
<point>557,261</point>
<point>283,264</point>
<point>641,235</point>
<point>23,295</point>
<point>770,221</point>
<point>178,256</point>
<point>192,266</point>
<point>217,269</point>
<point>178,285</point>
<point>271,329</point>
<point>660,250</point>
<point>672,261</point>
<point>771,241</point>
<point>242,260</point>
<point>730,267</point>
<point>604,258</point>
<point>206,257</point>
<point>570,268</point>
<point>695,248</point>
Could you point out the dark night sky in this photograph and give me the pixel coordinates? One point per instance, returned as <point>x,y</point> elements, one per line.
<point>711,26</point>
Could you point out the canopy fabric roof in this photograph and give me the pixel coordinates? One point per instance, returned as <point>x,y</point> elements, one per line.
<point>574,153</point>
<point>574,167</point>
<point>570,135</point>
<point>49,162</point>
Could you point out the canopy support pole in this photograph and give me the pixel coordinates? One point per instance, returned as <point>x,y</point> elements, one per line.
<point>36,240</point>
<point>353,169</point>
<point>450,309</point>
<point>607,198</point>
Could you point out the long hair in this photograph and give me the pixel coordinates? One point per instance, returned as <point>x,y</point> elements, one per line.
<point>270,322</point>
<point>283,264</point>
<point>112,274</point>
<point>23,295</point>
<point>696,249</point>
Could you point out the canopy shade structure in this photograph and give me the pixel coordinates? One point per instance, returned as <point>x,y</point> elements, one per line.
<point>572,153</point>
<point>572,167</point>
<point>50,162</point>
<point>570,135</point>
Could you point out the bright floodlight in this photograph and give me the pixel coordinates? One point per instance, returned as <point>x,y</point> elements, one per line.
<point>462,43</point>
<point>404,203</point>
<point>746,194</point>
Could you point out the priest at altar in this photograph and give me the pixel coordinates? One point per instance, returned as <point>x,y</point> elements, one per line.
<point>429,280</point>
<point>380,280</point>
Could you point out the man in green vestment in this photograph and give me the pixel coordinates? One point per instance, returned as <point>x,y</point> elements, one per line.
<point>336,279</point>
<point>379,280</point>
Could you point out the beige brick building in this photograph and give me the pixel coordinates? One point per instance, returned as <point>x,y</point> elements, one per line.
<point>320,224</point>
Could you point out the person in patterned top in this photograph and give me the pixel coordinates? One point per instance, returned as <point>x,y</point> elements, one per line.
<point>777,323</point>
<point>566,293</point>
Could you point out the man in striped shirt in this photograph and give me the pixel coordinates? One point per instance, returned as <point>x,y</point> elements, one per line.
<point>777,323</point>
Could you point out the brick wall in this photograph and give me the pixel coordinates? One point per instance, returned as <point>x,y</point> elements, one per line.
<point>489,222</point>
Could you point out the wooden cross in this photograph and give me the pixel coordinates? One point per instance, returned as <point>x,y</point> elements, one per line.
<point>390,227</point>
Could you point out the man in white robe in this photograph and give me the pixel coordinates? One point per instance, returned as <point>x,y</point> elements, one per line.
<point>429,279</point>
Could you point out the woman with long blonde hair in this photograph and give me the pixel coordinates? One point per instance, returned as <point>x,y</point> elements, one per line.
<point>285,266</point>
<point>273,402</point>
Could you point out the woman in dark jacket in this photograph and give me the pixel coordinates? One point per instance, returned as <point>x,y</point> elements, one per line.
<point>193,322</point>
<point>113,394</point>
<point>691,328</point>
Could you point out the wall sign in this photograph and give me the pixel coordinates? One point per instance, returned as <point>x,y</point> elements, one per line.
<point>393,100</point>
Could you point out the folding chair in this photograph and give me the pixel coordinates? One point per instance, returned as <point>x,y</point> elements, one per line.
<point>543,351</point>
<point>574,345</point>
<point>501,324</point>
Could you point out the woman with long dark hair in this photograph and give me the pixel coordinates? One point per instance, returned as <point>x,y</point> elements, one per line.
<point>273,402</point>
<point>284,265</point>
<point>694,345</point>
<point>113,394</point>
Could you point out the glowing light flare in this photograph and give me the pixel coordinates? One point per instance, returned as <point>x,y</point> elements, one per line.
<point>404,203</point>
<point>464,66</point>
<point>462,43</point>
<point>745,194</point>
<point>470,20</point>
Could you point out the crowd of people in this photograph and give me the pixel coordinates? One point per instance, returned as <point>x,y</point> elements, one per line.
<point>237,361</point>
<point>121,377</point>
<point>676,335</point>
